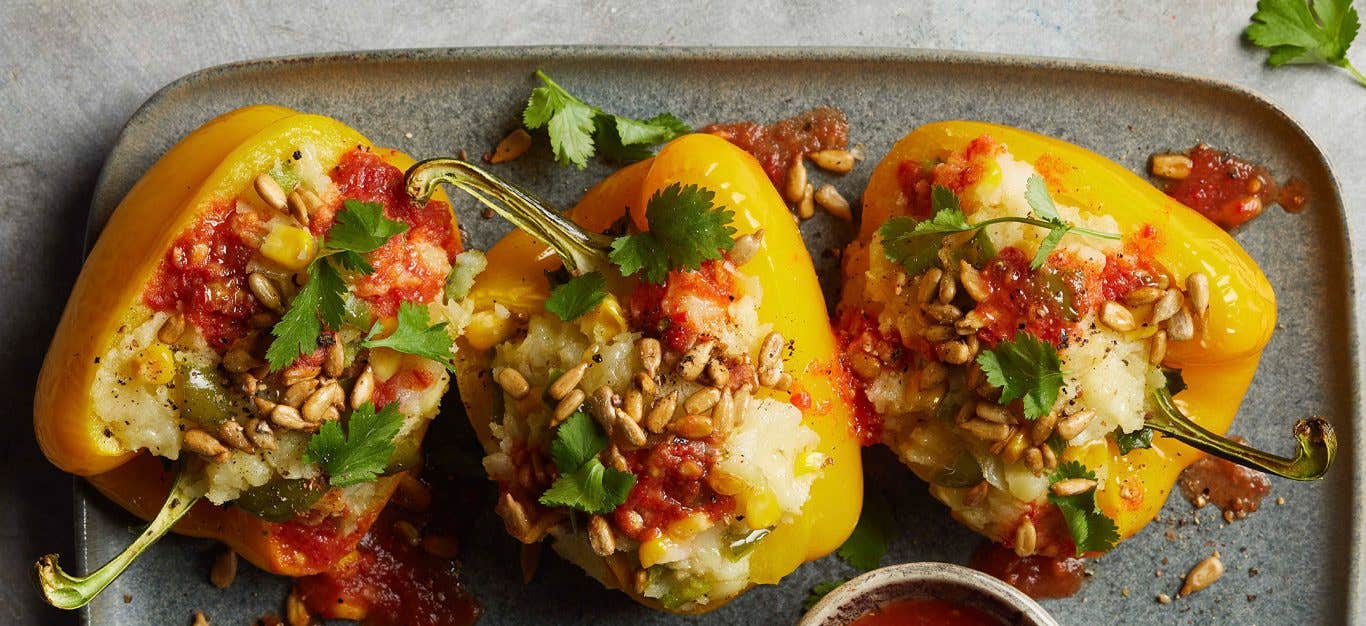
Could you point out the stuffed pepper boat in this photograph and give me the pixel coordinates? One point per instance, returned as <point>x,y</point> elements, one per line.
<point>266,308</point>
<point>1023,314</point>
<point>665,404</point>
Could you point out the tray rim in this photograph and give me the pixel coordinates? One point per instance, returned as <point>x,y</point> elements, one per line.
<point>1355,585</point>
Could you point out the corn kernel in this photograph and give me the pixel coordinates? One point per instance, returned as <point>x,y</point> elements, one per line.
<point>653,551</point>
<point>487,329</point>
<point>290,246</point>
<point>385,362</point>
<point>605,321</point>
<point>991,177</point>
<point>725,483</point>
<point>155,365</point>
<point>810,462</point>
<point>689,526</point>
<point>761,509</point>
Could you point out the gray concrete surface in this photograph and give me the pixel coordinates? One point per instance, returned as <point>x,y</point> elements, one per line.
<point>71,73</point>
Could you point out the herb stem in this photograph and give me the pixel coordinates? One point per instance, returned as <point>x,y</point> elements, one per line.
<point>1045,224</point>
<point>580,251</point>
<point>1351,69</point>
<point>1318,443</point>
<point>65,591</point>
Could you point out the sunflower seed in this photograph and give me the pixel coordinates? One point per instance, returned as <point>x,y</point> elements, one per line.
<point>568,381</point>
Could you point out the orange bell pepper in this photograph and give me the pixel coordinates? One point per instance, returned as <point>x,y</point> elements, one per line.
<point>792,304</point>
<point>212,166</point>
<point>1217,365</point>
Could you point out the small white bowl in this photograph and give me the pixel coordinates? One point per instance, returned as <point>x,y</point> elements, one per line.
<point>914,581</point>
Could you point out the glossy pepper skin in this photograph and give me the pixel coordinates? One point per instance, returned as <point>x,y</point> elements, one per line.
<point>216,162</point>
<point>1217,366</point>
<point>793,304</point>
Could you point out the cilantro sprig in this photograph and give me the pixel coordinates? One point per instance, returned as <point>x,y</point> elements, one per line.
<point>1091,530</point>
<point>578,130</point>
<point>1025,368</point>
<point>578,296</point>
<point>361,452</point>
<point>686,228</point>
<point>915,244</point>
<point>360,228</point>
<point>1296,31</point>
<point>415,334</point>
<point>584,484</point>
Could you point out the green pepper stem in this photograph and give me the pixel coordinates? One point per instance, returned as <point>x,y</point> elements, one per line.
<point>580,250</point>
<point>1318,444</point>
<point>65,591</point>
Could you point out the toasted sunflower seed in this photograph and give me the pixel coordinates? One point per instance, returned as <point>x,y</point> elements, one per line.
<point>1026,539</point>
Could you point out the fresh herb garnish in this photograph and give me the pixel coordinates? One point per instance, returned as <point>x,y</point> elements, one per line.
<point>415,335</point>
<point>360,227</point>
<point>819,591</point>
<point>318,301</point>
<point>577,297</point>
<point>1296,31</point>
<point>686,228</point>
<point>1128,442</point>
<point>875,530</point>
<point>573,126</point>
<point>362,452</point>
<point>1026,368</point>
<point>915,245</point>
<point>585,483</point>
<point>1091,530</point>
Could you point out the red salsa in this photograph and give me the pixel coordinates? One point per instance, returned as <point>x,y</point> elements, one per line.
<point>391,582</point>
<point>1233,488</point>
<point>1038,576</point>
<point>204,274</point>
<point>670,485</point>
<point>1230,190</point>
<point>926,612</point>
<point>689,305</point>
<point>780,144</point>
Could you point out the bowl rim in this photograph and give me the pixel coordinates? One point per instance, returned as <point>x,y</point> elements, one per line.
<point>991,590</point>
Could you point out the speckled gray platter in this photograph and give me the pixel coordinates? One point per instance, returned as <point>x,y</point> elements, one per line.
<point>1296,563</point>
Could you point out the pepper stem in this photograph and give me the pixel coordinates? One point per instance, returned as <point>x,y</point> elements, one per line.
<point>581,251</point>
<point>1318,444</point>
<point>65,591</point>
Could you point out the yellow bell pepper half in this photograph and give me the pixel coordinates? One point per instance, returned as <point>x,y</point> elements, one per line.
<point>1217,367</point>
<point>793,304</point>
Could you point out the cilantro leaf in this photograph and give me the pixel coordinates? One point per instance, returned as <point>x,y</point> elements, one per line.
<point>876,528</point>
<point>363,451</point>
<point>584,483</point>
<point>317,302</point>
<point>577,297</point>
<point>577,129</point>
<point>686,228</point>
<point>820,590</point>
<point>1091,530</point>
<point>1036,193</point>
<point>915,245</point>
<point>362,227</point>
<point>414,335</point>
<point>1128,442</point>
<point>1025,368</point>
<point>1296,31</point>
<point>577,440</point>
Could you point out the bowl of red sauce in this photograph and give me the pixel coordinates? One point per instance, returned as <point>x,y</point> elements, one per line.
<point>923,594</point>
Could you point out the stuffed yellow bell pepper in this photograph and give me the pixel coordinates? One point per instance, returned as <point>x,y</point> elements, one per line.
<point>266,308</point>
<point>670,411</point>
<point>1023,314</point>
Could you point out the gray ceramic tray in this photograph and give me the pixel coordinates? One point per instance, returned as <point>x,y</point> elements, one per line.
<point>1296,563</point>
